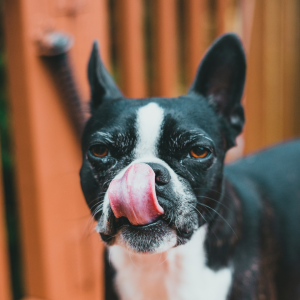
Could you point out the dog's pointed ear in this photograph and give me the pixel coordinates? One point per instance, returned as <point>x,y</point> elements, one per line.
<point>220,79</point>
<point>101,83</point>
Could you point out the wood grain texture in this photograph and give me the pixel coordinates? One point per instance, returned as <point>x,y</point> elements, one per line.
<point>131,47</point>
<point>195,38</point>
<point>61,255</point>
<point>165,48</point>
<point>272,104</point>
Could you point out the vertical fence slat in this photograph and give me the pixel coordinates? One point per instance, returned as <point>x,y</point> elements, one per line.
<point>247,7</point>
<point>272,57</point>
<point>130,47</point>
<point>5,287</point>
<point>165,48</point>
<point>104,32</point>
<point>254,86</point>
<point>195,11</point>
<point>33,266</point>
<point>62,259</point>
<point>291,67</point>
<point>220,14</point>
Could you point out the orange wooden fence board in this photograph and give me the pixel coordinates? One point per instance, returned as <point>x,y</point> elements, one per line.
<point>272,92</point>
<point>5,292</point>
<point>130,49</point>
<point>195,35</point>
<point>32,298</point>
<point>165,48</point>
<point>247,7</point>
<point>220,12</point>
<point>62,257</point>
<point>291,70</point>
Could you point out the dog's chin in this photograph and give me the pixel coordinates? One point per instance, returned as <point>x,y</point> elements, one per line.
<point>156,237</point>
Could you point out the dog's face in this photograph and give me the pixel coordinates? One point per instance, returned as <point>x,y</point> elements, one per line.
<point>152,168</point>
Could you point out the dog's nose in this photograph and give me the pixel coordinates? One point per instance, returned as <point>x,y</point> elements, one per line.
<point>162,175</point>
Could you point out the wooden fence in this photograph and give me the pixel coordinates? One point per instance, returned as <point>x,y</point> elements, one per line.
<point>152,47</point>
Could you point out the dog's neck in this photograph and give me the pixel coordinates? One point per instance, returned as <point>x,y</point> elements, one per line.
<point>180,273</point>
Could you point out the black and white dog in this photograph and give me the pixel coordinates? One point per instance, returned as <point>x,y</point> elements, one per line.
<point>179,225</point>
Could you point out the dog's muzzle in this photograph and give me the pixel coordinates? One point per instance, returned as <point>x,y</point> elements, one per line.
<point>134,195</point>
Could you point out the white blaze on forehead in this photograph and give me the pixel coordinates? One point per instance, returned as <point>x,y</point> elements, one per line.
<point>148,124</point>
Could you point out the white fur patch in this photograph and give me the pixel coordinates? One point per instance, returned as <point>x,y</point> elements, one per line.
<point>168,242</point>
<point>148,125</point>
<point>179,274</point>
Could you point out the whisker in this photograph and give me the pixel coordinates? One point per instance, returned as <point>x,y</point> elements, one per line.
<point>212,190</point>
<point>219,202</point>
<point>204,218</point>
<point>220,217</point>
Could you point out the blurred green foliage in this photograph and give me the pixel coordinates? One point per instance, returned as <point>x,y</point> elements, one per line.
<point>4,123</point>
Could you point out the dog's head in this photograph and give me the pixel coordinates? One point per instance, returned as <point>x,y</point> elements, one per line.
<point>152,170</point>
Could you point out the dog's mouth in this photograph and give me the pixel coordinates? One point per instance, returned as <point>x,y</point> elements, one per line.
<point>140,216</point>
<point>124,222</point>
<point>157,236</point>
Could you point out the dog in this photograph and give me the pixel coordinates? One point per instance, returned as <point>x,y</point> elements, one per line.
<point>177,223</point>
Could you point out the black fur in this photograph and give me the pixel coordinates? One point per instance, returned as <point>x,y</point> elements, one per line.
<point>252,207</point>
<point>102,84</point>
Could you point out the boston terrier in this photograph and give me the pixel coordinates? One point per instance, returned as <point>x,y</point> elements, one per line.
<point>177,223</point>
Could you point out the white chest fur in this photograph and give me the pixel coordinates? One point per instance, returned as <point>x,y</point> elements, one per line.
<point>179,274</point>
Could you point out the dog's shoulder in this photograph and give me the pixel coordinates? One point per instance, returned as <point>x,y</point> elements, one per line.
<point>272,173</point>
<point>268,164</point>
<point>269,190</point>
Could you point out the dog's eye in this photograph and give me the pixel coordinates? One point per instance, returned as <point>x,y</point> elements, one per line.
<point>99,150</point>
<point>199,152</point>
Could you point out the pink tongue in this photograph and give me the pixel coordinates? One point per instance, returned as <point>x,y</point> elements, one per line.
<point>133,196</point>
